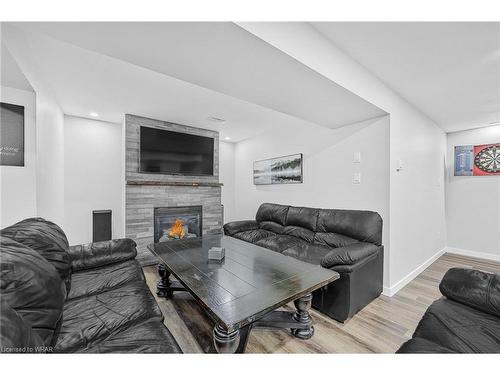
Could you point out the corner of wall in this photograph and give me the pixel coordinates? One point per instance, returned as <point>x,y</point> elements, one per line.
<point>392,290</point>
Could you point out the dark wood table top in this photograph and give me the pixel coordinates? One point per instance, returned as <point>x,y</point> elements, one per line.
<point>250,282</point>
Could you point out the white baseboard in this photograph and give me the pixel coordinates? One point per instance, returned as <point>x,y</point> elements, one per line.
<point>472,253</point>
<point>452,250</point>
<point>405,280</point>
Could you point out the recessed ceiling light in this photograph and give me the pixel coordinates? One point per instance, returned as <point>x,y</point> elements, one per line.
<point>227,138</point>
<point>216,119</point>
<point>94,114</point>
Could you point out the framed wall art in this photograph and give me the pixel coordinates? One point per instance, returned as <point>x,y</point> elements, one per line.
<point>11,135</point>
<point>280,170</point>
<point>478,160</point>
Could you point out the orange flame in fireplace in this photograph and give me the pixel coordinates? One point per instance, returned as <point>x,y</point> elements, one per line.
<point>177,229</point>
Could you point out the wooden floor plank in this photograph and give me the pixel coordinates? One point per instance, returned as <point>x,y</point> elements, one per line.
<point>381,327</point>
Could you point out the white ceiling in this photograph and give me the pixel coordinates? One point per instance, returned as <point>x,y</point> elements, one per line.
<point>450,71</point>
<point>185,72</point>
<point>85,82</point>
<point>10,73</point>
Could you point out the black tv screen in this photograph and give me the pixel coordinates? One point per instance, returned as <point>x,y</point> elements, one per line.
<point>168,152</point>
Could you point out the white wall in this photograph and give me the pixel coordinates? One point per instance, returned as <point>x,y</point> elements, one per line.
<point>473,202</point>
<point>93,177</point>
<point>418,223</point>
<point>18,184</point>
<point>50,159</point>
<point>227,177</point>
<point>328,169</point>
<point>417,203</point>
<point>49,130</point>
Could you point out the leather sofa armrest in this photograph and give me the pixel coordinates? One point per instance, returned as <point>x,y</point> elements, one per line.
<point>234,227</point>
<point>349,255</point>
<point>477,289</point>
<point>103,253</point>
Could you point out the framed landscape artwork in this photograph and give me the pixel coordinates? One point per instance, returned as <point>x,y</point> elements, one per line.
<point>281,170</point>
<point>11,135</point>
<point>479,160</point>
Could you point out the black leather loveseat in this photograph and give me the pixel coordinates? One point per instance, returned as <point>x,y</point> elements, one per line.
<point>346,241</point>
<point>465,320</point>
<point>89,298</point>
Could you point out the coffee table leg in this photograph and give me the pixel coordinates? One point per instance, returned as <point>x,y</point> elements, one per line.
<point>226,342</point>
<point>303,305</point>
<point>163,286</point>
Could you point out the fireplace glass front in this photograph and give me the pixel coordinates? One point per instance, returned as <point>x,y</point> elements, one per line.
<point>176,223</point>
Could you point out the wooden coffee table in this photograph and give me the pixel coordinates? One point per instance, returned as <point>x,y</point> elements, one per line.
<point>244,290</point>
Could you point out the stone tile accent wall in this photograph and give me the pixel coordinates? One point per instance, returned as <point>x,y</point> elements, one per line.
<point>140,200</point>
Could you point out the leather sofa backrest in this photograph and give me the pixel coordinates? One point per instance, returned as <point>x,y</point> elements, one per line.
<point>31,286</point>
<point>301,222</point>
<point>272,217</point>
<point>272,212</point>
<point>46,238</point>
<point>364,226</point>
<point>304,217</point>
<point>331,227</point>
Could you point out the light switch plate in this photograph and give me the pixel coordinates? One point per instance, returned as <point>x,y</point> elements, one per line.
<point>356,157</point>
<point>356,178</point>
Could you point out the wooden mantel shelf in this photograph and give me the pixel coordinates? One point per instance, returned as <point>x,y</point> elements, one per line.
<point>173,183</point>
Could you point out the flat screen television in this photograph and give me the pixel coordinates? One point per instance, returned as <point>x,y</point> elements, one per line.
<point>169,152</point>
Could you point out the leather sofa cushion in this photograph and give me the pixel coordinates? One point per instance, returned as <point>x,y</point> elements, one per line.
<point>474,288</point>
<point>16,336</point>
<point>46,238</point>
<point>99,254</point>
<point>279,242</point>
<point>423,346</point>
<point>272,226</point>
<point>234,227</point>
<point>333,239</point>
<point>310,253</point>
<point>88,320</point>
<point>150,336</point>
<point>253,236</point>
<point>304,217</point>
<point>32,287</point>
<point>365,226</point>
<point>349,255</point>
<point>97,280</point>
<point>272,212</point>
<point>460,328</point>
<point>299,232</point>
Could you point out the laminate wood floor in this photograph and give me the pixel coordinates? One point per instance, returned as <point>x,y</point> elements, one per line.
<point>381,327</point>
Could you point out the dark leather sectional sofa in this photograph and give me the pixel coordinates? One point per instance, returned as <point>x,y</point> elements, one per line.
<point>465,320</point>
<point>347,241</point>
<point>85,299</point>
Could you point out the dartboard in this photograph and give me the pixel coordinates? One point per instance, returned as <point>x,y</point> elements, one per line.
<point>488,159</point>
